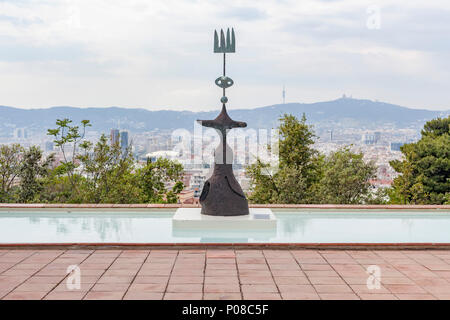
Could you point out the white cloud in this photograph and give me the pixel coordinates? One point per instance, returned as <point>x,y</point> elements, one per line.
<point>158,53</point>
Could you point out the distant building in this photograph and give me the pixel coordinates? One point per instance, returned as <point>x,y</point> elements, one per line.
<point>377,135</point>
<point>124,141</point>
<point>114,136</point>
<point>196,184</point>
<point>20,133</point>
<point>395,146</point>
<point>49,146</point>
<point>165,154</point>
<point>371,138</point>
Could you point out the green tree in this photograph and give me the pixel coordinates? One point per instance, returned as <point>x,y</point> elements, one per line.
<point>104,173</point>
<point>109,174</point>
<point>346,178</point>
<point>425,171</point>
<point>299,169</point>
<point>160,181</point>
<point>33,168</point>
<point>10,166</point>
<point>88,173</point>
<point>65,136</point>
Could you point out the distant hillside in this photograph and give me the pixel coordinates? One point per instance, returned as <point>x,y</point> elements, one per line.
<point>344,112</point>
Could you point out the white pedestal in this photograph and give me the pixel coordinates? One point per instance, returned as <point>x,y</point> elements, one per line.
<point>258,219</point>
<point>189,223</point>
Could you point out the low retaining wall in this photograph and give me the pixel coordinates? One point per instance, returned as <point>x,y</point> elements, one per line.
<point>272,206</point>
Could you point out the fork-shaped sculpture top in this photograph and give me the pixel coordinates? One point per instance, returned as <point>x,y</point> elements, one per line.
<point>224,46</point>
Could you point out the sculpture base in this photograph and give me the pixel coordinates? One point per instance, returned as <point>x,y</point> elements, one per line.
<point>222,195</point>
<point>257,219</point>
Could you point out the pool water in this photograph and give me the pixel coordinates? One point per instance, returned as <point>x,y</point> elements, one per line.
<point>293,226</point>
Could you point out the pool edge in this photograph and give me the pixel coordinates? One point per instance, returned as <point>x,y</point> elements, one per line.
<point>174,206</point>
<point>177,246</point>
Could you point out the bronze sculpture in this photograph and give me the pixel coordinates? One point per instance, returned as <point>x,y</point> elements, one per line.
<point>222,195</point>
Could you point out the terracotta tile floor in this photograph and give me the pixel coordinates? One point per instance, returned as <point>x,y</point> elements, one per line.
<point>224,274</point>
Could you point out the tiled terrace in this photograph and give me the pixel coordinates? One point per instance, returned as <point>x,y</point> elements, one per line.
<point>224,274</point>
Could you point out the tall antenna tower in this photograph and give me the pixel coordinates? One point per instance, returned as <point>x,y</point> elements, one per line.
<point>284,94</point>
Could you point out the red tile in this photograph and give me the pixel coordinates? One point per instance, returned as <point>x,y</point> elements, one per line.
<point>183,296</point>
<point>220,280</point>
<point>287,273</point>
<point>221,261</point>
<point>332,288</point>
<point>220,266</point>
<point>220,253</point>
<point>316,267</point>
<point>284,267</point>
<point>328,273</point>
<point>363,289</point>
<point>157,266</point>
<point>291,280</point>
<point>35,287</point>
<point>356,280</point>
<point>222,296</point>
<point>193,272</point>
<point>404,288</point>
<point>160,272</point>
<point>396,280</point>
<point>140,295</point>
<point>326,280</point>
<point>255,273</point>
<point>299,296</point>
<point>442,296</point>
<point>338,296</point>
<point>219,273</point>
<point>248,266</point>
<point>250,260</point>
<point>221,288</point>
<point>417,296</point>
<point>45,279</point>
<point>62,287</point>
<point>261,296</point>
<point>65,295</point>
<point>98,295</point>
<point>296,288</point>
<point>149,287</point>
<point>125,272</point>
<point>377,296</point>
<point>151,279</point>
<point>116,279</point>
<point>108,287</point>
<point>25,295</point>
<point>184,288</point>
<point>256,280</point>
<point>185,279</point>
<point>260,288</point>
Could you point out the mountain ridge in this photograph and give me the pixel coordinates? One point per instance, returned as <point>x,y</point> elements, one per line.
<point>343,112</point>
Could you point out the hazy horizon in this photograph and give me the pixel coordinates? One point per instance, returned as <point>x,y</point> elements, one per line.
<point>158,55</point>
<point>206,109</point>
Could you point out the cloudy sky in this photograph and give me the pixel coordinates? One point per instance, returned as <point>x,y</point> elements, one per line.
<point>158,54</point>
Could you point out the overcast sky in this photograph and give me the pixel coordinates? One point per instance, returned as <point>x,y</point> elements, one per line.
<point>158,54</point>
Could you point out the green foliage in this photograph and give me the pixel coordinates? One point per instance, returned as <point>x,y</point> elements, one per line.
<point>66,135</point>
<point>425,171</point>
<point>88,173</point>
<point>33,168</point>
<point>10,166</point>
<point>154,178</point>
<point>346,178</point>
<point>298,171</point>
<point>106,174</point>
<point>306,176</point>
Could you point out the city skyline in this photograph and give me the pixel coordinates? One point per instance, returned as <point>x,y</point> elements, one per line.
<point>159,56</point>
